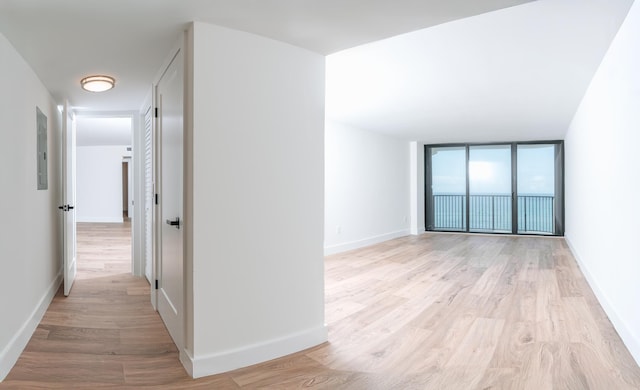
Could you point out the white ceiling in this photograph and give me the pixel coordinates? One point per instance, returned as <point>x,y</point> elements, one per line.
<point>65,40</point>
<point>482,70</point>
<point>513,74</point>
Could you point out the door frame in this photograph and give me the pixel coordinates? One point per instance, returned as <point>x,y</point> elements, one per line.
<point>183,43</point>
<point>137,147</point>
<point>179,47</point>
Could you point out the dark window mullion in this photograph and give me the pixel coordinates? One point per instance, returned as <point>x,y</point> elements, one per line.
<point>514,188</point>
<point>467,205</point>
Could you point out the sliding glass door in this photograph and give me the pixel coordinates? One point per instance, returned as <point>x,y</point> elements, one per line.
<point>448,204</point>
<point>539,188</point>
<point>498,188</point>
<point>490,192</point>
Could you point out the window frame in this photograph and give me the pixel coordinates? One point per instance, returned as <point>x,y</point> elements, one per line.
<point>558,204</point>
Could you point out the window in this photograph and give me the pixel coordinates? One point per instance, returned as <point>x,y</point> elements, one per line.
<point>495,188</point>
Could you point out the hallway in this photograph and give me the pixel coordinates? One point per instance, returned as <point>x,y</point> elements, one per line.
<point>105,333</point>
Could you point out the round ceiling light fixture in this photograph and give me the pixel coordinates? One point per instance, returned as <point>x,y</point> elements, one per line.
<point>97,83</point>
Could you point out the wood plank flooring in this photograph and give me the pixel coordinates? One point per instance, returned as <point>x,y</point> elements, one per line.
<point>437,311</point>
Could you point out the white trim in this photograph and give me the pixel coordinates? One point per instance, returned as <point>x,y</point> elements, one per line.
<point>347,246</point>
<point>417,231</point>
<point>186,358</point>
<point>628,337</point>
<point>100,219</point>
<point>253,354</point>
<point>10,354</point>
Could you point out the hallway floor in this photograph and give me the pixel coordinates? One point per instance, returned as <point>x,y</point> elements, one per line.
<point>438,311</point>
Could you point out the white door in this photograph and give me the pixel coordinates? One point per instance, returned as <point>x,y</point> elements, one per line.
<point>68,197</point>
<point>148,195</point>
<point>170,266</point>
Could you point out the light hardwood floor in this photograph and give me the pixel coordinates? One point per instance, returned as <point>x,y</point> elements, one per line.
<point>437,311</point>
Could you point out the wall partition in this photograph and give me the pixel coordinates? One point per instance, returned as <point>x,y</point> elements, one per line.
<point>514,188</point>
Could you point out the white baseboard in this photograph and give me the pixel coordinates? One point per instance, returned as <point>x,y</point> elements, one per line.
<point>416,231</point>
<point>186,358</point>
<point>629,338</point>
<point>347,246</point>
<point>10,354</point>
<point>225,361</point>
<point>100,219</point>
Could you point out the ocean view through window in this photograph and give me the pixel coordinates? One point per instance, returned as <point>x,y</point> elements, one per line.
<point>514,188</point>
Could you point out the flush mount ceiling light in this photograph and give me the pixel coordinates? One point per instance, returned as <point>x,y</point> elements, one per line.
<point>97,83</point>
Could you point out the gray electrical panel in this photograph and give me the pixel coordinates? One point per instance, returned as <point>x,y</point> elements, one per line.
<point>42,150</point>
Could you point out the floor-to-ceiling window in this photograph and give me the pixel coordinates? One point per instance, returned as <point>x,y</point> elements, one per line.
<point>495,188</point>
<point>490,188</point>
<point>539,188</point>
<point>449,182</point>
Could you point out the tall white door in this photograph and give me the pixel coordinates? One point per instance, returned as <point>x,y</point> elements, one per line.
<point>170,268</point>
<point>148,195</point>
<point>68,197</point>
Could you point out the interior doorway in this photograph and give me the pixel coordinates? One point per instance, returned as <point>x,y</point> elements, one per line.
<point>127,188</point>
<point>104,195</point>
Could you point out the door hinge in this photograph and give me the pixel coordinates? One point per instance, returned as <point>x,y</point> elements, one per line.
<point>156,113</point>
<point>156,284</point>
<point>156,198</point>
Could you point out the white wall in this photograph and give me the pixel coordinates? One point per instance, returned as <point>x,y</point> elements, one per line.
<point>99,183</point>
<point>366,188</point>
<point>256,144</point>
<point>29,242</point>
<point>602,183</point>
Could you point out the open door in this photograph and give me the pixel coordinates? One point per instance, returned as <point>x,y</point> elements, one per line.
<point>68,197</point>
<point>169,272</point>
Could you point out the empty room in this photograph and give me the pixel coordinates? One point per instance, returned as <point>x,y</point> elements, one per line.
<point>324,194</point>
